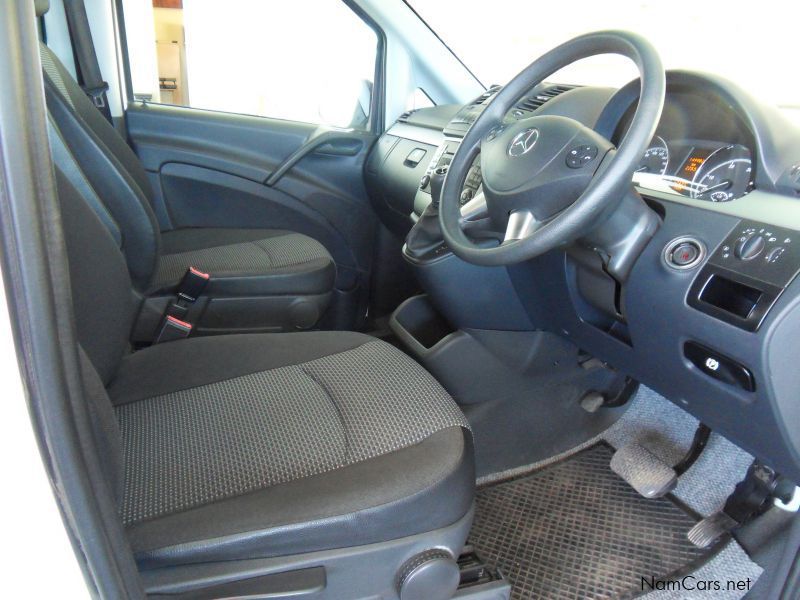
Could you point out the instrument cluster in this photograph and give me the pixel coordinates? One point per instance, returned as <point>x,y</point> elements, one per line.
<point>699,169</point>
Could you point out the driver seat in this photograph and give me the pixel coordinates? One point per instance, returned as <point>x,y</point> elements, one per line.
<point>243,456</point>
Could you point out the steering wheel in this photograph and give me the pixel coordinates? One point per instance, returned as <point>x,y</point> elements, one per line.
<point>548,180</point>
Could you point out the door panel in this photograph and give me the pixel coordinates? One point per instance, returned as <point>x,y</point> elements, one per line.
<point>211,169</point>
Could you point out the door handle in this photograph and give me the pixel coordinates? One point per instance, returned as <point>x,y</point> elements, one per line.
<point>335,143</point>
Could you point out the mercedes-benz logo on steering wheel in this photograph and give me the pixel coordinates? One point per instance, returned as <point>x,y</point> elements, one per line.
<point>523,142</point>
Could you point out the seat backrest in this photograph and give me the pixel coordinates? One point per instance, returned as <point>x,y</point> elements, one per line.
<point>103,298</point>
<point>104,304</point>
<point>109,164</point>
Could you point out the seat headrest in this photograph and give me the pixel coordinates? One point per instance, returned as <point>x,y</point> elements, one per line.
<point>42,6</point>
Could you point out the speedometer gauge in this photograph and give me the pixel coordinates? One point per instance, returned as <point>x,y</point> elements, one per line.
<point>725,175</point>
<point>656,158</point>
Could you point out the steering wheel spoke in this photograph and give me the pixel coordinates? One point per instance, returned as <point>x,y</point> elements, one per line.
<point>521,224</point>
<point>474,210</point>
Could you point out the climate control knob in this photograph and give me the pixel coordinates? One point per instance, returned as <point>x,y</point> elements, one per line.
<point>750,247</point>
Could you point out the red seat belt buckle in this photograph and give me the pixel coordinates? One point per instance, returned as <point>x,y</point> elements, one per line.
<point>173,329</point>
<point>193,284</point>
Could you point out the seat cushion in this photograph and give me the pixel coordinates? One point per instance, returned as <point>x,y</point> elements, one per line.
<point>265,445</point>
<point>246,261</point>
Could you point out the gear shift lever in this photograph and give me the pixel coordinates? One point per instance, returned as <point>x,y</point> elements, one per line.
<point>426,234</point>
<point>437,180</point>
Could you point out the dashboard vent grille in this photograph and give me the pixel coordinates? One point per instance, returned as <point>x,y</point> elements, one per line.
<point>486,96</point>
<point>530,103</point>
<point>404,117</point>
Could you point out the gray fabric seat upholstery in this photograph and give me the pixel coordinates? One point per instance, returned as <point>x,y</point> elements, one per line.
<point>242,262</point>
<point>339,438</point>
<point>250,446</point>
<point>265,261</point>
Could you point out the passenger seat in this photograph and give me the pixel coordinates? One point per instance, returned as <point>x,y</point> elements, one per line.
<point>261,279</point>
<point>267,457</point>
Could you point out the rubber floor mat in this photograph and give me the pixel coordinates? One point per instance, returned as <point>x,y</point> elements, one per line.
<point>576,530</point>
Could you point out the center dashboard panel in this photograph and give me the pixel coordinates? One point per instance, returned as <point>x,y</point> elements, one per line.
<point>399,187</point>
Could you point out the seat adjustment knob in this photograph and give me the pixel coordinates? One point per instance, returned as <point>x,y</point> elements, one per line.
<point>430,575</point>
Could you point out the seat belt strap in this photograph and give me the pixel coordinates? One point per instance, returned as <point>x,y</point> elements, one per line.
<point>83,48</point>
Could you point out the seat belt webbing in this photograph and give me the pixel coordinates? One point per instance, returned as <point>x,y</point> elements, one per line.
<point>83,48</point>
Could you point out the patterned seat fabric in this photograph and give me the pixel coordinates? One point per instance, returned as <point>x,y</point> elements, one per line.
<point>200,445</point>
<point>257,257</point>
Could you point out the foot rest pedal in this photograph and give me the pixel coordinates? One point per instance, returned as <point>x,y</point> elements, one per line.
<point>710,529</point>
<point>644,471</point>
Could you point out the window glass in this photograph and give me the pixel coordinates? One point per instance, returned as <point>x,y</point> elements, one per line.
<point>750,44</point>
<point>419,99</point>
<point>305,60</point>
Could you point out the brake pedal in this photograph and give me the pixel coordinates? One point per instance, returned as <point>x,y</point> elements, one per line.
<point>644,471</point>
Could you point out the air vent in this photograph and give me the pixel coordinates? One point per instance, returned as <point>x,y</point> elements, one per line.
<point>486,96</point>
<point>529,104</point>
<point>404,117</point>
<point>794,178</point>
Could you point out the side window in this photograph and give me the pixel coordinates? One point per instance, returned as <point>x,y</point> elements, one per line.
<point>304,60</point>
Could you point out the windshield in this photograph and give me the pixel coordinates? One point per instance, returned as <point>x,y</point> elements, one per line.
<point>750,44</point>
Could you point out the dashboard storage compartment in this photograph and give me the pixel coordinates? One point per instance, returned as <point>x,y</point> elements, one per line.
<point>419,325</point>
<point>731,296</point>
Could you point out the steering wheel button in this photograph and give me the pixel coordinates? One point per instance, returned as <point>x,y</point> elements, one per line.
<point>580,156</point>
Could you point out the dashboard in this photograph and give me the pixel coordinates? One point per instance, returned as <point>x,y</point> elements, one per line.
<point>710,314</point>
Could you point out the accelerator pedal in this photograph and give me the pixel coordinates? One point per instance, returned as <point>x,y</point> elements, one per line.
<point>712,528</point>
<point>760,490</point>
<point>644,471</point>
